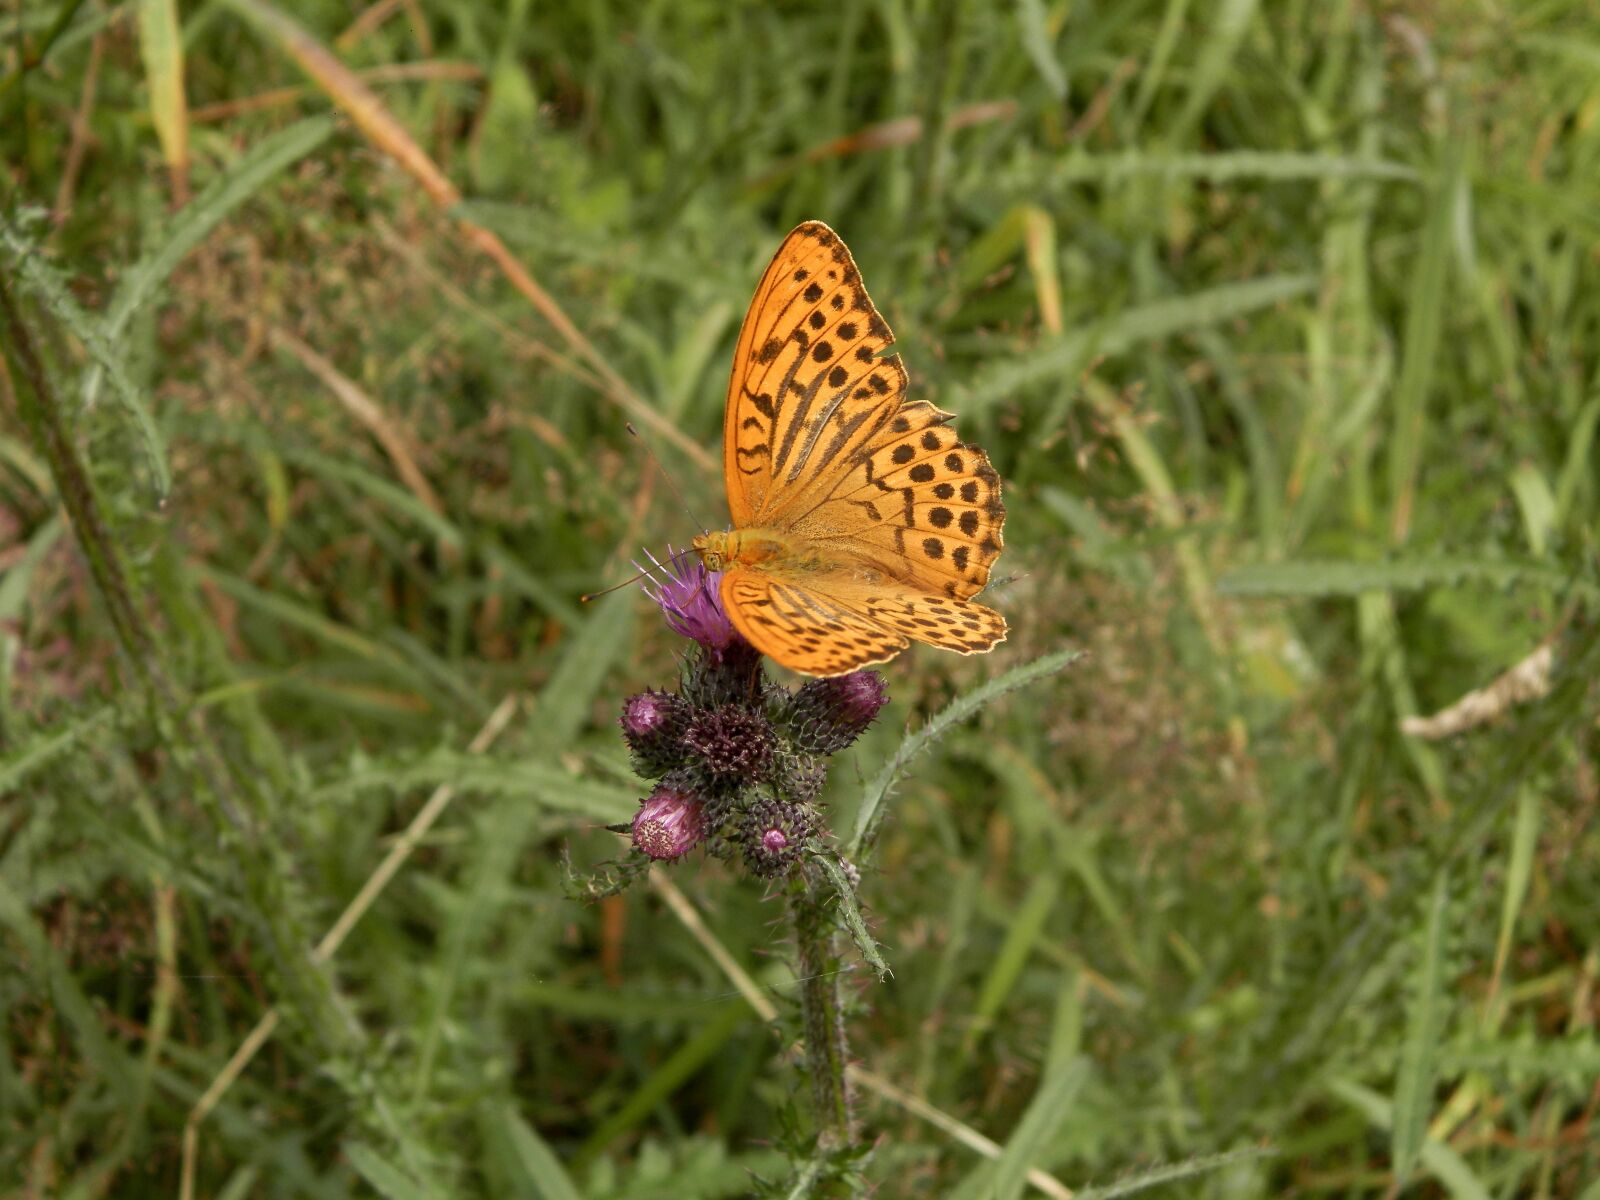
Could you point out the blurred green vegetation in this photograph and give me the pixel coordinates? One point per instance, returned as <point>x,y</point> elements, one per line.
<point>1278,318</point>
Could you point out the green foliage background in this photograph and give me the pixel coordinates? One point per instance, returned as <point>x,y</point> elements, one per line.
<point>1279,319</point>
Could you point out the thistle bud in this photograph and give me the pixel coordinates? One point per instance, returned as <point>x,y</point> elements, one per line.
<point>799,778</point>
<point>772,836</point>
<point>733,746</point>
<point>828,714</point>
<point>652,725</point>
<point>668,824</point>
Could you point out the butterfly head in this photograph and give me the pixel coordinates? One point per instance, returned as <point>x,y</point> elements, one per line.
<point>714,548</point>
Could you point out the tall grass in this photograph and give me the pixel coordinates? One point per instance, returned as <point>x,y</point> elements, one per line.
<point>1277,319</point>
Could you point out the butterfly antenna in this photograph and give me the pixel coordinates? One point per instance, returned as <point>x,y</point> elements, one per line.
<point>588,596</point>
<point>656,462</point>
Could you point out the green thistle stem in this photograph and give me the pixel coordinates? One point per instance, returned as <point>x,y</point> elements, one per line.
<point>822,1012</point>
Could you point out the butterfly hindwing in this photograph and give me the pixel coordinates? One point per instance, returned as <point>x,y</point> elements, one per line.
<point>805,629</point>
<point>833,624</point>
<point>808,389</point>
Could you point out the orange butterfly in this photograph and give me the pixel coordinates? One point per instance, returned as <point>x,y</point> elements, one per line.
<point>860,522</point>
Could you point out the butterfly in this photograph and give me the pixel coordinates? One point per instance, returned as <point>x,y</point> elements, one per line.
<point>860,522</point>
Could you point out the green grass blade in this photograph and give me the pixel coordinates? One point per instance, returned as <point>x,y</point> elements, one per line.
<point>299,616</point>
<point>1322,577</point>
<point>52,974</point>
<point>1224,30</point>
<point>1576,471</point>
<point>530,779</point>
<point>1039,46</point>
<point>1235,166</point>
<point>388,1180</point>
<point>566,700</point>
<point>389,495</point>
<point>18,579</point>
<point>1144,323</point>
<point>716,1028</point>
<point>531,1165</point>
<point>1419,1055</point>
<point>1155,71</point>
<point>1424,324</point>
<point>1022,934</point>
<point>1441,1161</point>
<point>871,812</point>
<point>1519,873</point>
<point>1045,1112</point>
<point>244,179</point>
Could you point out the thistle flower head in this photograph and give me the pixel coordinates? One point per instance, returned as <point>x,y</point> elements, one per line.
<point>688,597</point>
<point>669,823</point>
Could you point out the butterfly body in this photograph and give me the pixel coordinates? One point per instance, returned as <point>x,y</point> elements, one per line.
<point>760,549</point>
<point>860,521</point>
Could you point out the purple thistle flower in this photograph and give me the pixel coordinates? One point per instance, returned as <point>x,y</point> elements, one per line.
<point>668,824</point>
<point>688,597</point>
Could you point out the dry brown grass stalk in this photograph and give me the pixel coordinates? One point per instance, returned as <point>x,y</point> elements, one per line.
<point>367,411</point>
<point>367,111</point>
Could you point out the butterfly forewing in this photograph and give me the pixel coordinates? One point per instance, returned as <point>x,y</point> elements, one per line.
<point>808,390</point>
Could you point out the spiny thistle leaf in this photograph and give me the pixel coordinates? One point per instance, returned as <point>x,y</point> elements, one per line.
<point>850,913</point>
<point>958,710</point>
